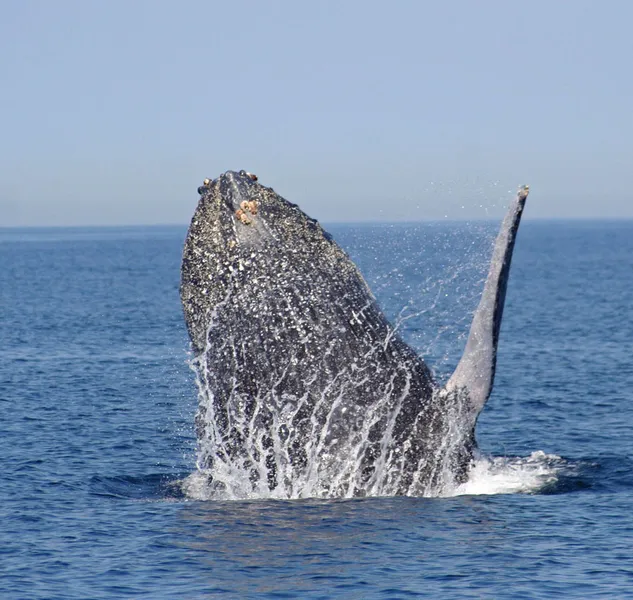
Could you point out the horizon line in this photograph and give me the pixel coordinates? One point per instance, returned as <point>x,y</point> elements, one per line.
<point>368,222</point>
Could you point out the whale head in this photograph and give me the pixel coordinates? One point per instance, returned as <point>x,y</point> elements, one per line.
<point>238,223</point>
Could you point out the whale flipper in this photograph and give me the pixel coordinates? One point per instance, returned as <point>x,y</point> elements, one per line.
<point>475,371</point>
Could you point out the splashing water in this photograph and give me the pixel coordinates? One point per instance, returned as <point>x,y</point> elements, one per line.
<point>488,476</point>
<point>501,475</point>
<point>333,454</point>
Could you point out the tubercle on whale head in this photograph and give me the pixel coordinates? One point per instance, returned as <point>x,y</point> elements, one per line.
<point>234,198</point>
<point>231,185</point>
<point>255,210</point>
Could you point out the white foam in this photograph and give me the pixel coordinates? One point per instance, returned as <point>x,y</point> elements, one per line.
<point>196,486</point>
<point>502,475</point>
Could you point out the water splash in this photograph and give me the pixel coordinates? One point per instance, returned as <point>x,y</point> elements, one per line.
<point>332,456</point>
<point>502,475</point>
<point>489,475</point>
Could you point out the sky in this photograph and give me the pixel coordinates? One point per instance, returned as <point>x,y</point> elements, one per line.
<point>113,112</point>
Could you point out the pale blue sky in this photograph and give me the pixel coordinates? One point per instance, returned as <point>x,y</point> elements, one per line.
<point>112,112</point>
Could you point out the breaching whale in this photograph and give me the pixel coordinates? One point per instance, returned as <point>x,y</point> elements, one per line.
<point>305,387</point>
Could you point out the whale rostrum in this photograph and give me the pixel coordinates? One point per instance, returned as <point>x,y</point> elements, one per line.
<point>305,388</point>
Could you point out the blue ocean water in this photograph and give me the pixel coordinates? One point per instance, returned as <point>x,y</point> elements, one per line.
<point>96,418</point>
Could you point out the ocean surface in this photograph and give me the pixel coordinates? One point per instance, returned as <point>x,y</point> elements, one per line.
<point>97,402</point>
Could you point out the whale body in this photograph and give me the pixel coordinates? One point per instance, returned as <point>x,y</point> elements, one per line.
<point>306,389</point>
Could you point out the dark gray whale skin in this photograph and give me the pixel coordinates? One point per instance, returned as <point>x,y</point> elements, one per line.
<point>306,378</point>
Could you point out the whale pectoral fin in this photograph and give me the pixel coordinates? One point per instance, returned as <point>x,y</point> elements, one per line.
<point>476,370</point>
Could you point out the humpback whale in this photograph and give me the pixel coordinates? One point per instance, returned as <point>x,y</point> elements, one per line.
<point>305,388</point>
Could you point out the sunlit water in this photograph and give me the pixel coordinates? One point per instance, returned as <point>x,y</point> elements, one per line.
<point>100,497</point>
